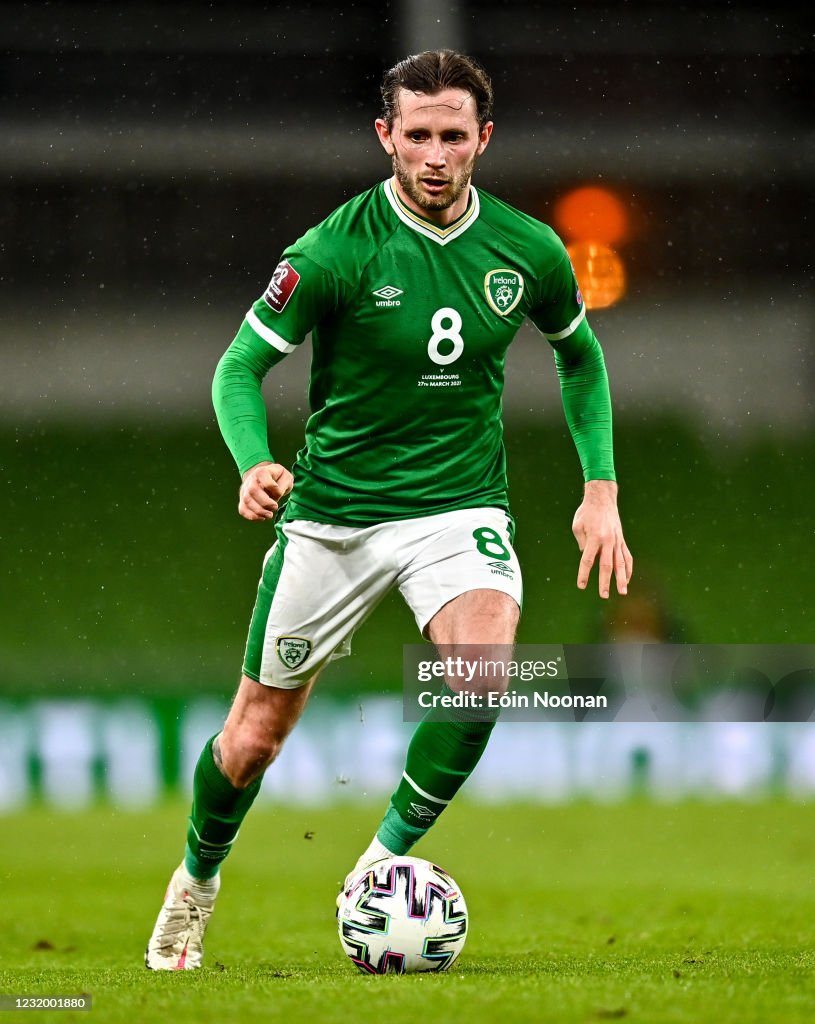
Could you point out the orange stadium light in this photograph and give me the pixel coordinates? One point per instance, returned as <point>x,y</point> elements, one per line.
<point>599,271</point>
<point>592,214</point>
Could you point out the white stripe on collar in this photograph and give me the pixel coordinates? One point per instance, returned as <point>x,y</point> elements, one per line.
<point>438,234</point>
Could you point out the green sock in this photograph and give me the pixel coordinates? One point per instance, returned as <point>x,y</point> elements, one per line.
<point>441,757</point>
<point>217,812</point>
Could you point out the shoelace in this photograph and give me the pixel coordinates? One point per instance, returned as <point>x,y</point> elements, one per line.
<point>183,916</point>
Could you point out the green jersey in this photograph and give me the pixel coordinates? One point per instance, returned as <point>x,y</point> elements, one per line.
<point>410,323</point>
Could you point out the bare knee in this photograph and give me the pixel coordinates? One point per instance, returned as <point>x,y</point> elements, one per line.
<point>258,723</point>
<point>243,755</point>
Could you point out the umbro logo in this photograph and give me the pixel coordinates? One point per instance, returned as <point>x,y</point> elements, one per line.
<point>387,295</point>
<point>421,811</point>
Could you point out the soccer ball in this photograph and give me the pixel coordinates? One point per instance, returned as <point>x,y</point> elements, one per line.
<point>401,915</point>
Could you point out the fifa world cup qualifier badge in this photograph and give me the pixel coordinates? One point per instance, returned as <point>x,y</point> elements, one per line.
<point>284,280</point>
<point>504,290</point>
<point>293,650</point>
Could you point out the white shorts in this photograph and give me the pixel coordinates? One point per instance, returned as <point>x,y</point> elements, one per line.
<point>321,581</point>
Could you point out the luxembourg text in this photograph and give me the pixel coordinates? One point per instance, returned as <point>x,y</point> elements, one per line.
<point>510,699</point>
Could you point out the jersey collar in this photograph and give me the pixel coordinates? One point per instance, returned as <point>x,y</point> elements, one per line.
<point>428,228</point>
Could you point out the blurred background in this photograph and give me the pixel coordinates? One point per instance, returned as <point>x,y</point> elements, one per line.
<point>156,160</point>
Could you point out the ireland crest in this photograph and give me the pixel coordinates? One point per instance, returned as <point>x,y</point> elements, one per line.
<point>293,650</point>
<point>503,289</point>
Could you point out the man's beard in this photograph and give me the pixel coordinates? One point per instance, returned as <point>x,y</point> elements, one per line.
<point>413,189</point>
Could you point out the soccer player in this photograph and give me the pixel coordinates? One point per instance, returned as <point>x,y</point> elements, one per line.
<point>412,293</point>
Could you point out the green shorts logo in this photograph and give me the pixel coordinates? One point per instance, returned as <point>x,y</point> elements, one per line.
<point>293,650</point>
<point>504,289</point>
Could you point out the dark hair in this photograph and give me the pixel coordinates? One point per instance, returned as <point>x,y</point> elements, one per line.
<point>432,71</point>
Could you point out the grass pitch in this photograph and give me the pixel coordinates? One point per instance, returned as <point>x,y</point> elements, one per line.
<point>638,912</point>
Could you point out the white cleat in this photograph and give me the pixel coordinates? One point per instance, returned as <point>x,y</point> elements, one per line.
<point>177,942</point>
<point>375,852</point>
<point>352,874</point>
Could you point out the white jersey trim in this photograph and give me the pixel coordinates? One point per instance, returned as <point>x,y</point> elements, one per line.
<point>260,328</point>
<point>568,330</point>
<point>438,234</point>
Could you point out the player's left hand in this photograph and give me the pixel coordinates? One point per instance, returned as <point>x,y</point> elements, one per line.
<point>599,534</point>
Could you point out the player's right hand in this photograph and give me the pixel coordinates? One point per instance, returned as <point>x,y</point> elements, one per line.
<point>262,488</point>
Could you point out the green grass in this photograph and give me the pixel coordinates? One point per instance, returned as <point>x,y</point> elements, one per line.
<point>641,912</point>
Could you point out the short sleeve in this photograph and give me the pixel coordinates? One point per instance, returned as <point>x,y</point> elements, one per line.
<point>559,308</point>
<point>298,296</point>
